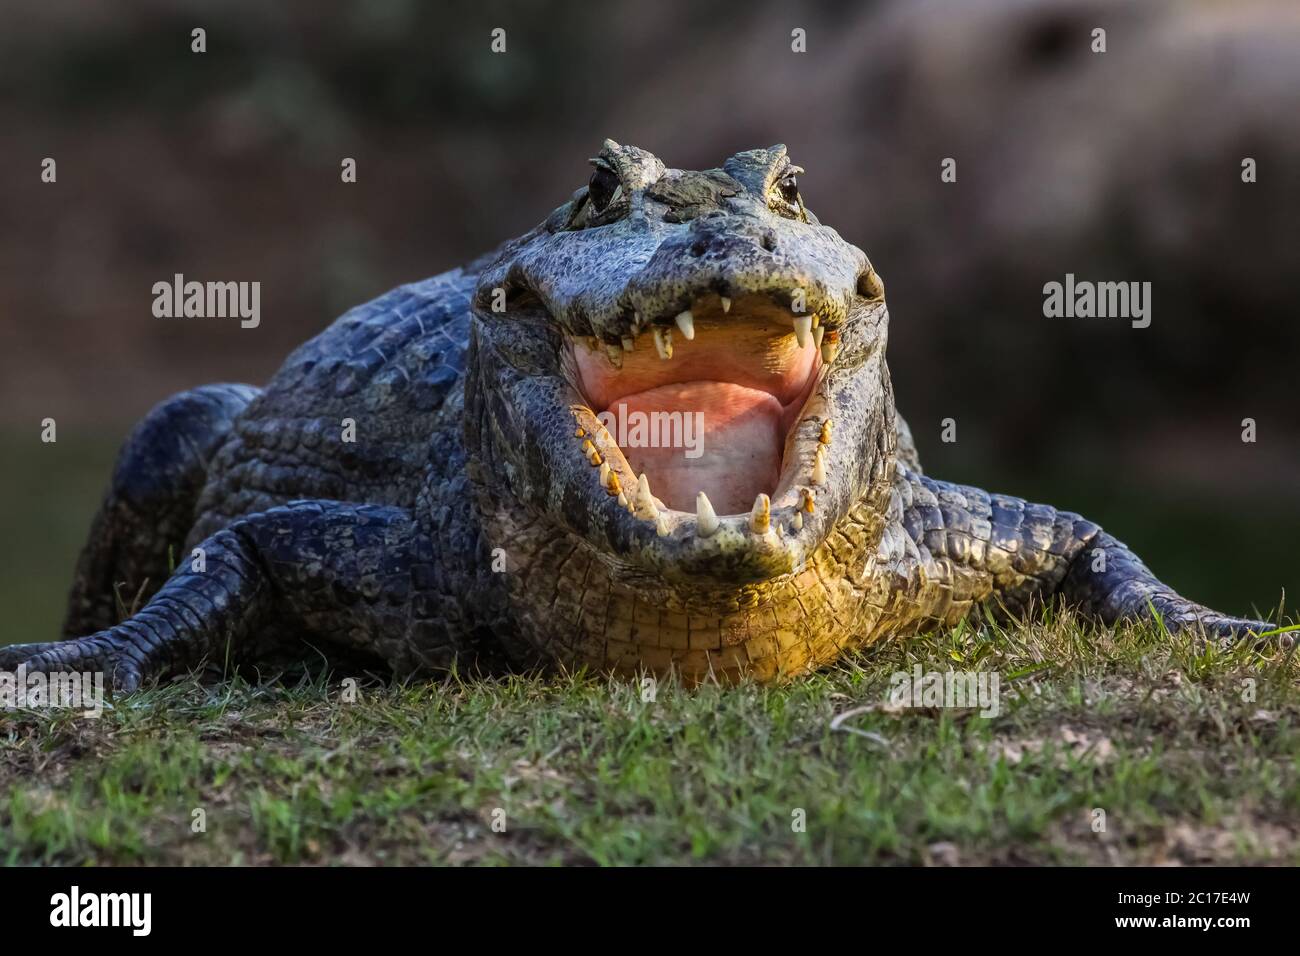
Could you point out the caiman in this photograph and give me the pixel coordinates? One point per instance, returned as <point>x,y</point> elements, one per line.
<point>435,480</point>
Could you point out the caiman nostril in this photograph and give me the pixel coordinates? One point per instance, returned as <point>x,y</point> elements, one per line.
<point>698,248</point>
<point>768,241</point>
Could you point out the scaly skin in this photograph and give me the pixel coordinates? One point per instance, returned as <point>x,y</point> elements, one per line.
<point>467,524</point>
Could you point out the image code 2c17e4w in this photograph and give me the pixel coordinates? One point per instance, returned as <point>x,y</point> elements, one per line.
<point>641,469</point>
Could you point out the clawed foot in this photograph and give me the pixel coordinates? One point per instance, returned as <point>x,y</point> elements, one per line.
<point>1268,636</point>
<point>1228,632</point>
<point>123,664</point>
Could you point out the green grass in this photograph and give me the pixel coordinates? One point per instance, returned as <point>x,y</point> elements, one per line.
<point>1159,734</point>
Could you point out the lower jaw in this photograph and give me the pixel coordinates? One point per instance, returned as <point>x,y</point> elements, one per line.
<point>573,605</point>
<point>572,609</point>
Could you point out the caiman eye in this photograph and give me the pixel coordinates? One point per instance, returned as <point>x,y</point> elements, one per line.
<point>602,188</point>
<point>789,189</point>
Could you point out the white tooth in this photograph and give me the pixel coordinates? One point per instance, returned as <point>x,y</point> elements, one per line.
<point>726,304</point>
<point>706,519</point>
<point>817,335</point>
<point>760,519</point>
<point>604,474</point>
<point>816,320</point>
<point>686,322</point>
<point>628,344</point>
<point>871,285</point>
<point>825,436</point>
<point>819,467</point>
<point>622,499</point>
<point>661,527</point>
<point>664,342</point>
<point>802,329</point>
<point>645,502</point>
<point>797,521</point>
<point>828,351</point>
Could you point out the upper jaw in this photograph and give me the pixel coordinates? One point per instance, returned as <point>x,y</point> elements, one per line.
<point>807,269</point>
<point>661,270</point>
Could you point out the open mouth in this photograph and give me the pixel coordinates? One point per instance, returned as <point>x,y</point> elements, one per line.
<point>701,407</point>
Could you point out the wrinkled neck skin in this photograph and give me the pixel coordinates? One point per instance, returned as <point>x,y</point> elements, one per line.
<point>602,575</point>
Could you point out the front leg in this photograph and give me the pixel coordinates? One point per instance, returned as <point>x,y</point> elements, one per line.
<point>1008,554</point>
<point>1108,582</point>
<point>319,570</point>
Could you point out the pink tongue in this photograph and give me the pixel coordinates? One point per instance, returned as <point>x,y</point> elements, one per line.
<point>723,439</point>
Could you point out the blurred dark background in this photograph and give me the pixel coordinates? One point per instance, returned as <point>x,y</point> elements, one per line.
<point>1117,166</point>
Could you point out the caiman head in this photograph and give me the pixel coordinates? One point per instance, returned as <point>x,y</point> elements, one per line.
<point>680,424</point>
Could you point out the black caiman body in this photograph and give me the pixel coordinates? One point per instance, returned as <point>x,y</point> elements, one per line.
<point>437,478</point>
